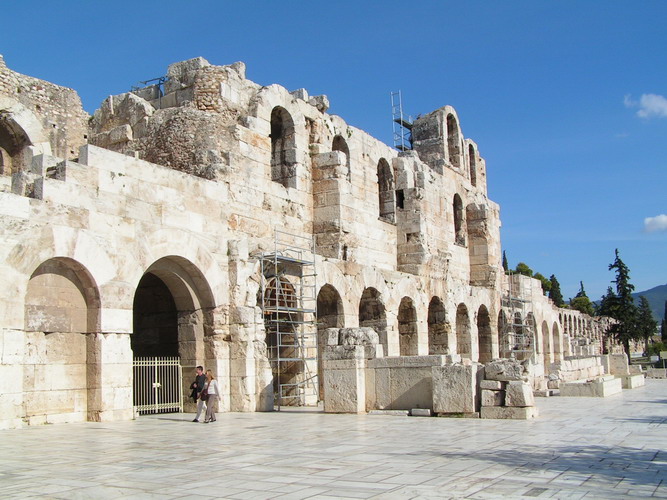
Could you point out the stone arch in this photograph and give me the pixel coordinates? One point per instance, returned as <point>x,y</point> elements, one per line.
<point>541,347</point>
<point>459,221</point>
<point>19,129</point>
<point>472,164</point>
<point>372,314</point>
<point>555,344</point>
<point>407,327</point>
<point>463,332</point>
<point>62,306</point>
<point>283,148</point>
<point>484,335</point>
<point>503,328</point>
<point>453,141</point>
<point>546,343</point>
<point>172,311</point>
<point>340,144</point>
<point>438,327</point>
<point>329,315</point>
<point>386,191</point>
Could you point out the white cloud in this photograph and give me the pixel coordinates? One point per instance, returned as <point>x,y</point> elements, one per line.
<point>650,105</point>
<point>654,224</point>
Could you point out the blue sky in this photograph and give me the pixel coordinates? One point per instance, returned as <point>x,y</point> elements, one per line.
<point>566,99</point>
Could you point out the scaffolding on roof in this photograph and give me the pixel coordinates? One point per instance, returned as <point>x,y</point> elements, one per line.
<point>402,125</point>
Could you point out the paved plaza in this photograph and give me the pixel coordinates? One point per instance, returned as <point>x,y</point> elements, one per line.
<point>578,448</point>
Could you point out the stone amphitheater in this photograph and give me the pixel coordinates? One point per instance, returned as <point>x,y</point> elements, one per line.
<point>208,220</point>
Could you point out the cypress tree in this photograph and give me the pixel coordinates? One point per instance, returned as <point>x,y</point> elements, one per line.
<point>646,325</point>
<point>623,307</point>
<point>506,266</point>
<point>555,293</point>
<point>581,302</point>
<point>663,329</point>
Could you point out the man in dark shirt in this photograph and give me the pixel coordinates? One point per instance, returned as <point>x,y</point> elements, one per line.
<point>198,386</point>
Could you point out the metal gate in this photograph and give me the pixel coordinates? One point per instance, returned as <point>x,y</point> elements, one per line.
<point>157,385</point>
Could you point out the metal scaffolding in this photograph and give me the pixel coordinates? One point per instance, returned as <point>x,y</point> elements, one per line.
<point>517,331</point>
<point>402,126</point>
<point>289,309</point>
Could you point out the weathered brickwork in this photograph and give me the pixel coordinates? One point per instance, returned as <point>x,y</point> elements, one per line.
<point>139,234</point>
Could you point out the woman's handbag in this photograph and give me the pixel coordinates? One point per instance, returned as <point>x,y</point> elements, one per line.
<point>204,394</point>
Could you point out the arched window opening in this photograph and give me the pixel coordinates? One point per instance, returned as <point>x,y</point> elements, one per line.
<point>329,315</point>
<point>556,344</point>
<point>407,327</point>
<point>372,314</point>
<point>463,334</point>
<point>438,328</point>
<point>453,142</point>
<point>459,222</point>
<point>339,144</point>
<point>472,165</point>
<point>283,148</point>
<point>484,335</point>
<point>386,192</point>
<point>13,140</point>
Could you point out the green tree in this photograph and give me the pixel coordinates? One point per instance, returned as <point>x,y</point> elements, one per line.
<point>606,303</point>
<point>522,268</point>
<point>646,325</point>
<point>663,329</point>
<point>546,284</point>
<point>622,306</point>
<point>555,293</point>
<point>506,266</point>
<point>581,302</point>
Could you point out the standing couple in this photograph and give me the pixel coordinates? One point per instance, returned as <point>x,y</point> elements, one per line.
<point>205,391</point>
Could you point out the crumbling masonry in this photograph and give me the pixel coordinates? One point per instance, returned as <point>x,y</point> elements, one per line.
<point>139,232</point>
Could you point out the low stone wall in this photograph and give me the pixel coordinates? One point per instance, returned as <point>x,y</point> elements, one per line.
<point>600,387</point>
<point>572,369</point>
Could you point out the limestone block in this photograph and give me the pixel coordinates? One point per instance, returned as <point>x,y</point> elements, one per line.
<point>504,370</point>
<point>619,364</point>
<point>494,385</point>
<point>336,352</point>
<point>636,369</point>
<point>599,388</point>
<point>493,398</point>
<point>345,386</point>
<point>358,336</point>
<point>656,373</point>
<point>509,412</point>
<point>455,388</point>
<point>420,412</point>
<point>391,413</point>
<point>633,381</point>
<point>519,393</point>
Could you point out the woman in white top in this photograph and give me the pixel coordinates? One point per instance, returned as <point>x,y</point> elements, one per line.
<point>213,394</point>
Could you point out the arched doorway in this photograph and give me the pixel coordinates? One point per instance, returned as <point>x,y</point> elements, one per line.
<point>172,311</point>
<point>484,335</point>
<point>556,343</point>
<point>463,334</point>
<point>438,328</point>
<point>386,192</point>
<point>407,328</point>
<point>61,317</point>
<point>329,315</point>
<point>372,314</point>
<point>340,144</point>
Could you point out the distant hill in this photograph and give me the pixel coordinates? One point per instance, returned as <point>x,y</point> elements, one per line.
<point>656,298</point>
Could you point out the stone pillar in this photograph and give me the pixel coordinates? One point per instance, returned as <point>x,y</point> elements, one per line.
<point>109,377</point>
<point>11,378</point>
<point>344,379</point>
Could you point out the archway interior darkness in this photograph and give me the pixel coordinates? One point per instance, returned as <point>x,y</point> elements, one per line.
<point>155,320</point>
<point>407,328</point>
<point>453,142</point>
<point>283,148</point>
<point>329,315</point>
<point>438,328</point>
<point>339,144</point>
<point>463,335</point>
<point>484,335</point>
<point>372,314</point>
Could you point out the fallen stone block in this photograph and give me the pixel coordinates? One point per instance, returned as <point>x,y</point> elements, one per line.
<point>598,388</point>
<point>493,398</point>
<point>507,412</point>
<point>519,394</point>
<point>656,373</point>
<point>391,413</point>
<point>504,370</point>
<point>494,385</point>
<point>474,414</point>
<point>633,381</point>
<point>455,388</point>
<point>420,412</point>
